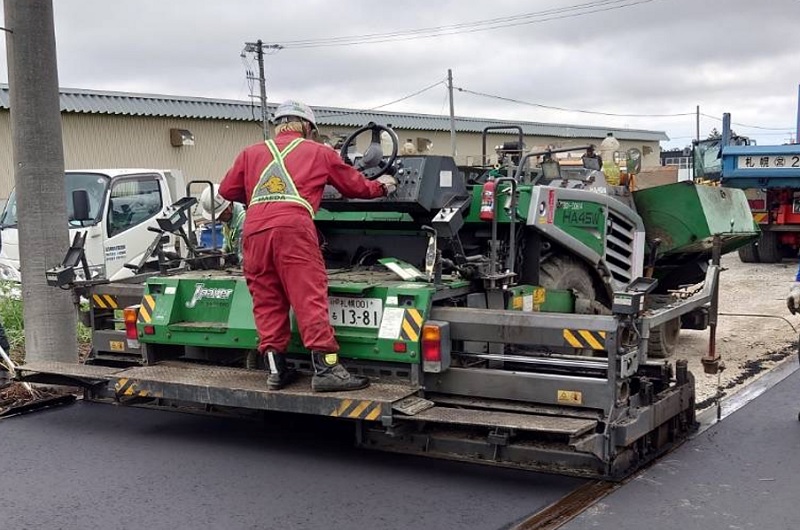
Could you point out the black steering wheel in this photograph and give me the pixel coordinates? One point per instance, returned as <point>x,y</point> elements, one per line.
<point>372,165</point>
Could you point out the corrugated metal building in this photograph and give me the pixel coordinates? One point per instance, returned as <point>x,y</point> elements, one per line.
<point>202,136</point>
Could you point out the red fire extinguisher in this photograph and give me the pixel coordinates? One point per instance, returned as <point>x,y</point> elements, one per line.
<point>487,201</point>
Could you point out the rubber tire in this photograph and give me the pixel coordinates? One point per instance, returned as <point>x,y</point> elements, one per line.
<point>768,249</point>
<point>749,253</point>
<point>663,341</point>
<point>564,272</point>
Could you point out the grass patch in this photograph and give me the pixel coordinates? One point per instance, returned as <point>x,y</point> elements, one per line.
<point>13,322</point>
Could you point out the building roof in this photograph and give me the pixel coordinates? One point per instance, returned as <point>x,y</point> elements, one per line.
<point>130,104</point>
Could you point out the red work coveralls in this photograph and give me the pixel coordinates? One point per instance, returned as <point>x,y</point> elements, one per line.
<point>283,264</point>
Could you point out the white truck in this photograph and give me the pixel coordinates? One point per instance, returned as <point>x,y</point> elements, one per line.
<point>123,203</point>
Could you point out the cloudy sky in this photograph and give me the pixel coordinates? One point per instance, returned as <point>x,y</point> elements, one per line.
<point>652,61</point>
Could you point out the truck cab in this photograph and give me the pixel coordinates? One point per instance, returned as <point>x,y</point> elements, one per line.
<point>123,203</point>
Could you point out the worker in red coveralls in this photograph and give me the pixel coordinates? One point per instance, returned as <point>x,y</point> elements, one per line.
<point>282,181</point>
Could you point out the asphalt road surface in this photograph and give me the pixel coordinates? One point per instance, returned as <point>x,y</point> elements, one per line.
<point>92,465</point>
<point>741,473</point>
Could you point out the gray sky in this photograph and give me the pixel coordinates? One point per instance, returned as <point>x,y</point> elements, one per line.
<point>651,57</point>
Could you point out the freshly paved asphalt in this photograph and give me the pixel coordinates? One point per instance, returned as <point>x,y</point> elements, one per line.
<point>743,472</point>
<point>89,466</point>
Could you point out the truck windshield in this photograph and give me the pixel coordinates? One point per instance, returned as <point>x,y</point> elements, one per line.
<point>707,162</point>
<point>94,184</point>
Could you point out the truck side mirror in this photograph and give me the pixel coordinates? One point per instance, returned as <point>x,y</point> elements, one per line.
<point>80,206</point>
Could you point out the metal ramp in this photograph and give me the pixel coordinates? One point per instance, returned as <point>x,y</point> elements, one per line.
<point>222,386</point>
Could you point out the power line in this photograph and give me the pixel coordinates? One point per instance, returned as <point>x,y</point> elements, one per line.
<point>565,109</point>
<point>409,96</point>
<point>784,129</point>
<point>481,25</point>
<point>462,25</point>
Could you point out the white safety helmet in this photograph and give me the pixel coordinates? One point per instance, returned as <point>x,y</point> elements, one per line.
<point>217,206</point>
<point>295,108</point>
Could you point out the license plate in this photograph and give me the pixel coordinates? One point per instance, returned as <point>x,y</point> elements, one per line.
<point>355,312</point>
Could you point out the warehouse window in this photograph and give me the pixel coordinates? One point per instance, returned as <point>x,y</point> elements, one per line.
<point>132,202</point>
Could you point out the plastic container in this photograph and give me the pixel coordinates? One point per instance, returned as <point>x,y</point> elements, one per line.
<point>206,237</point>
<point>608,147</point>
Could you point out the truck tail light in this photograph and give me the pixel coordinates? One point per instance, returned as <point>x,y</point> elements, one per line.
<point>130,316</point>
<point>435,346</point>
<point>431,343</point>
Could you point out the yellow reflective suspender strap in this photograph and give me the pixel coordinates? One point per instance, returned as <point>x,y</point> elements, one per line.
<point>288,190</point>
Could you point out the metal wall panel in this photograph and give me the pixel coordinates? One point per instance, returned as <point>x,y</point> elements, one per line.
<point>97,140</point>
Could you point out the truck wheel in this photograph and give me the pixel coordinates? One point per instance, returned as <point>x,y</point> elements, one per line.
<point>564,272</point>
<point>768,249</point>
<point>749,253</point>
<point>567,273</point>
<point>663,340</point>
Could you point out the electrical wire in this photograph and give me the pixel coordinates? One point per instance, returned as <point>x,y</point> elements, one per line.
<point>444,100</point>
<point>249,74</point>
<point>409,96</point>
<point>477,26</point>
<point>621,115</point>
<point>461,25</point>
<point>565,109</point>
<point>783,129</point>
<point>758,315</point>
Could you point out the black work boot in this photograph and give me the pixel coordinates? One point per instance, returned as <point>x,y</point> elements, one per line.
<point>280,374</point>
<point>330,376</point>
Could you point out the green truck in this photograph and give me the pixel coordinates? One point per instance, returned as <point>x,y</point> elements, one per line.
<point>520,340</point>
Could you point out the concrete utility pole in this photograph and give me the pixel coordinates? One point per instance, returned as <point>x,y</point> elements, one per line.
<point>49,315</point>
<point>452,113</point>
<point>258,48</point>
<point>697,124</point>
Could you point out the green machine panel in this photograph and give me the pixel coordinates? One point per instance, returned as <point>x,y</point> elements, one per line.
<point>531,298</point>
<point>583,220</point>
<point>375,315</point>
<point>502,194</point>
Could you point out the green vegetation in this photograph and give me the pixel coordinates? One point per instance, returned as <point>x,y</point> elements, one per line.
<point>11,317</point>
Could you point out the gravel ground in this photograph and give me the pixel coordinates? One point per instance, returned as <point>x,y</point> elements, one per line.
<point>749,346</point>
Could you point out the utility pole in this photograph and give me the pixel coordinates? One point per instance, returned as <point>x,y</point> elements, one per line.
<point>452,113</point>
<point>697,124</point>
<point>797,131</point>
<point>49,316</point>
<point>258,48</point>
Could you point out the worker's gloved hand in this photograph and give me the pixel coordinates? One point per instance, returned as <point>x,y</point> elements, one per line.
<point>793,300</point>
<point>389,184</point>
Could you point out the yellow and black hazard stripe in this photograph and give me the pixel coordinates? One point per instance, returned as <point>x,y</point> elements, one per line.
<point>105,301</point>
<point>358,409</point>
<point>760,217</point>
<point>147,308</point>
<point>585,339</point>
<point>128,388</point>
<point>412,325</point>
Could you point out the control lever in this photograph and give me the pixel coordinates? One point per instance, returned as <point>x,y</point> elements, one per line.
<point>433,257</point>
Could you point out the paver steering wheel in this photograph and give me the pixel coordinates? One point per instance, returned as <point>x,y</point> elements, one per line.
<point>372,165</point>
